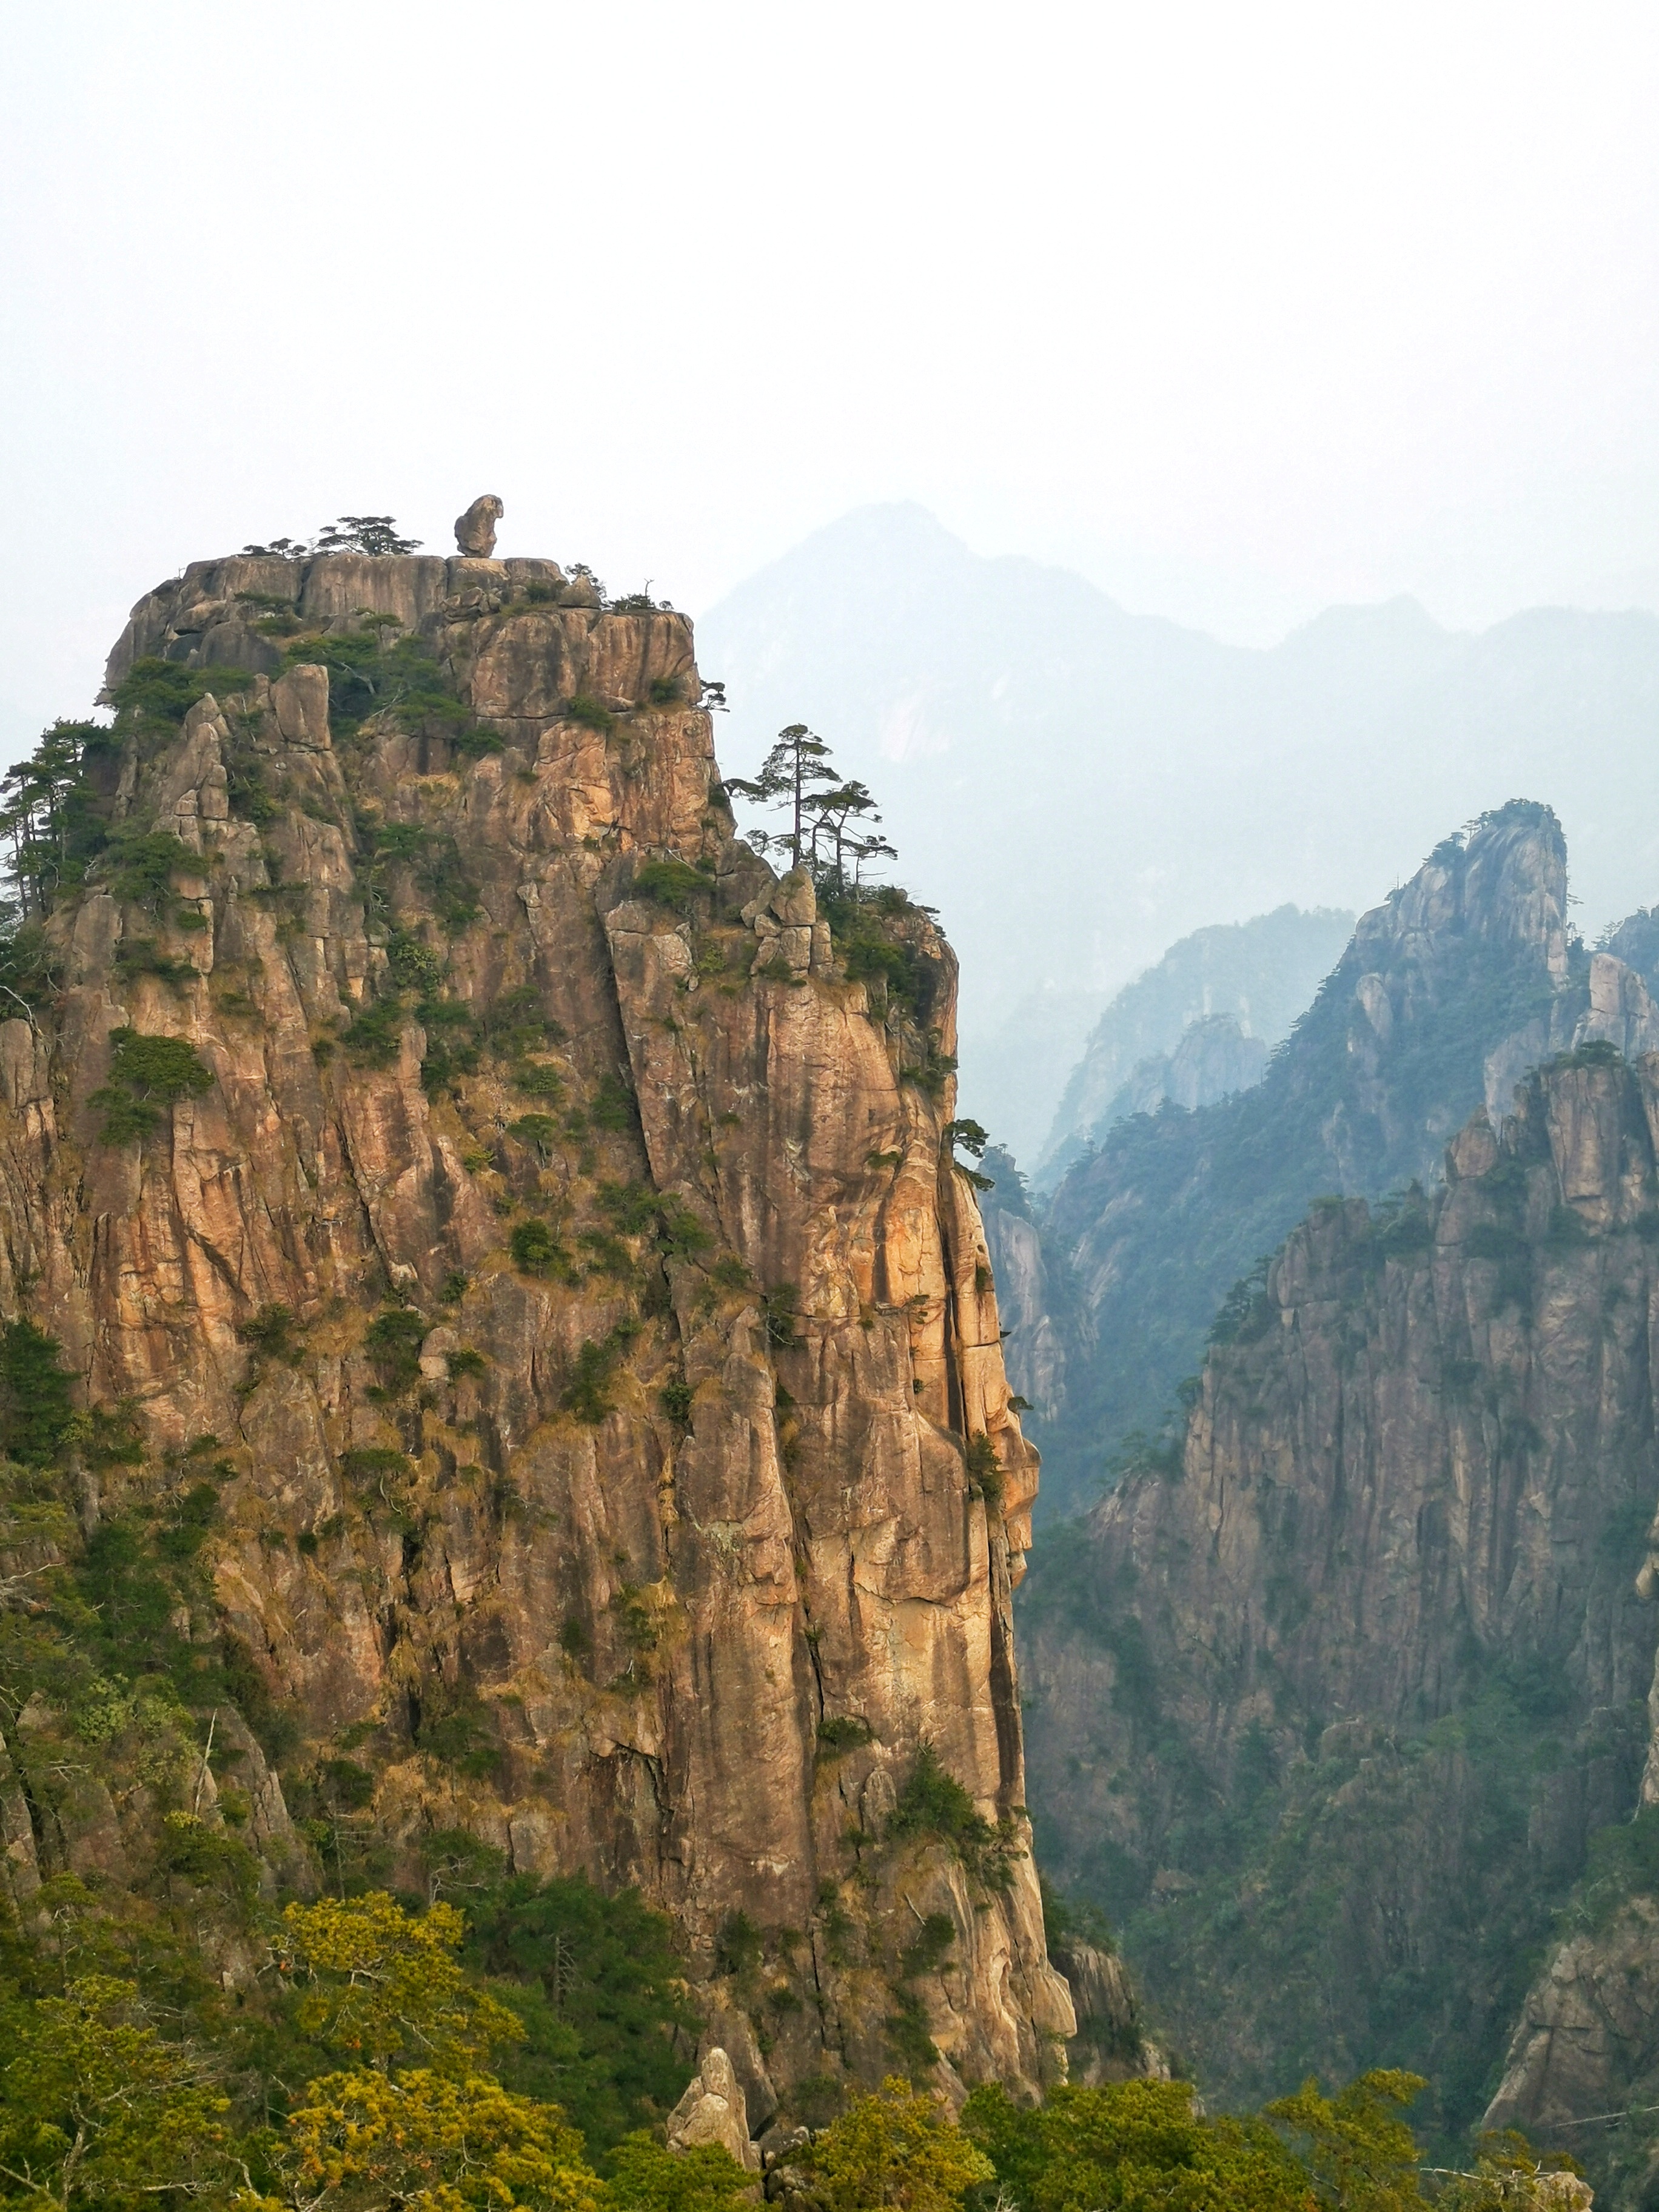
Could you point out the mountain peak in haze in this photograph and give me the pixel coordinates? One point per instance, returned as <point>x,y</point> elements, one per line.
<point>1075,787</point>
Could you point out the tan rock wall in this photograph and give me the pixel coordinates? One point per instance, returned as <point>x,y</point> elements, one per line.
<point>650,1617</point>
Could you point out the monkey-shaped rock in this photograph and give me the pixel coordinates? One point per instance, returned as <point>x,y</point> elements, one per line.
<point>475,530</point>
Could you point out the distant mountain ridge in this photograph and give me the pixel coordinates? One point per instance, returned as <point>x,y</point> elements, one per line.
<point>1253,978</point>
<point>1326,1705</point>
<point>1075,786</point>
<point>1448,993</point>
<point>1335,1698</point>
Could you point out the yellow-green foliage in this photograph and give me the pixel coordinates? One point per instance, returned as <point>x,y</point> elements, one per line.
<point>895,2148</point>
<point>385,1986</point>
<point>97,2109</point>
<point>428,2143</point>
<point>1136,2145</point>
<point>1356,2145</point>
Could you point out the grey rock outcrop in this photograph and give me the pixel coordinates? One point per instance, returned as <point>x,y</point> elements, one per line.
<point>1035,1304</point>
<point>1622,1011</point>
<point>714,2110</point>
<point>1111,2043</point>
<point>1460,981</point>
<point>1413,1486</point>
<point>475,530</point>
<point>1215,1058</point>
<point>1260,974</point>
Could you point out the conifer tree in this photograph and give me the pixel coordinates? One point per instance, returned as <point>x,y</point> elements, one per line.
<point>795,764</point>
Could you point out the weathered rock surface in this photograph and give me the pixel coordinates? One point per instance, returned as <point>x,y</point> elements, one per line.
<point>1112,2044</point>
<point>678,1518</point>
<point>1327,1708</point>
<point>1215,1058</point>
<point>475,530</point>
<point>1622,1011</point>
<point>1035,1297</point>
<point>714,2110</point>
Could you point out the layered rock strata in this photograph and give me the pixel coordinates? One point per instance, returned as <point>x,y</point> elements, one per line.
<point>526,1072</point>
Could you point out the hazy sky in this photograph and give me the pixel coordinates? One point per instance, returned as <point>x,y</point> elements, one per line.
<point>1242,310</point>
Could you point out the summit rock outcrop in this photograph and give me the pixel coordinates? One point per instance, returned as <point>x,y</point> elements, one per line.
<point>614,1453</point>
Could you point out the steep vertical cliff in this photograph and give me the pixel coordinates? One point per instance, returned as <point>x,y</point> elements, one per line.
<point>596,1350</point>
<point>1034,1291</point>
<point>1329,1707</point>
<point>1462,980</point>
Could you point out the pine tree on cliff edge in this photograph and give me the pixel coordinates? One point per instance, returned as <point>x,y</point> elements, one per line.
<point>828,828</point>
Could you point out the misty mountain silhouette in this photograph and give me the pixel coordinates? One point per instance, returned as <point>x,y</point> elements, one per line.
<point>1075,786</point>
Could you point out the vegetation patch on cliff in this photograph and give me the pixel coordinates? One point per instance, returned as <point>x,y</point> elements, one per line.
<point>147,1076</point>
<point>140,1737</point>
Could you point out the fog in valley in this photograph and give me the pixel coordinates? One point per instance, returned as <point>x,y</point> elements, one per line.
<point>1076,788</point>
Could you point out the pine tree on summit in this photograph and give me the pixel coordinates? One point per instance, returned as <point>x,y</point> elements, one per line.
<point>839,827</point>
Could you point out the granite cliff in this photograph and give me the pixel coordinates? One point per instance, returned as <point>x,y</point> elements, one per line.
<point>541,1260</point>
<point>1463,979</point>
<point>1329,1706</point>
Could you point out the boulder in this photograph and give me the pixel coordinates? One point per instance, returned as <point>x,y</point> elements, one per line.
<point>475,530</point>
<point>299,700</point>
<point>713,2111</point>
<point>794,902</point>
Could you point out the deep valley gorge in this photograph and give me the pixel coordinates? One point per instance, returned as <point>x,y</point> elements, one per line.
<point>1338,1698</point>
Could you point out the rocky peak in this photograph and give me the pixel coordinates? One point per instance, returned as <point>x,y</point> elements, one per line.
<point>1481,927</point>
<point>1448,993</point>
<point>1505,880</point>
<point>600,1344</point>
<point>241,611</point>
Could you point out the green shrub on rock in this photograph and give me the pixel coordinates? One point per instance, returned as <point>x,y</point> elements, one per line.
<point>147,1075</point>
<point>671,883</point>
<point>534,1247</point>
<point>34,1394</point>
<point>591,713</point>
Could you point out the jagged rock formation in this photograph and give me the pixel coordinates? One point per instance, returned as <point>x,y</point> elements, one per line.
<point>714,2109</point>
<point>475,530</point>
<point>1448,993</point>
<point>1031,1293</point>
<point>1328,1707</point>
<point>637,1324</point>
<point>1112,2044</point>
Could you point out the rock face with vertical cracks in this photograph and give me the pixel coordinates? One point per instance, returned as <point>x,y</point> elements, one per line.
<point>1329,1706</point>
<point>640,1324</point>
